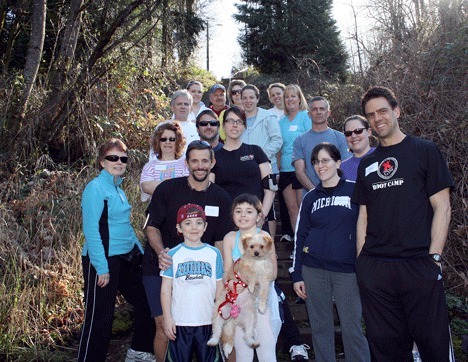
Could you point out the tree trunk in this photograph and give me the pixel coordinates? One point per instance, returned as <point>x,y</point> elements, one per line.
<point>66,53</point>
<point>34,56</point>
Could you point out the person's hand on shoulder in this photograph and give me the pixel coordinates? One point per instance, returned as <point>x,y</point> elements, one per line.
<point>165,260</point>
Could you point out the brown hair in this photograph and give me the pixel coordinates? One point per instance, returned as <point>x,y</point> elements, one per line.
<point>377,92</point>
<point>180,139</point>
<point>331,149</point>
<point>238,112</point>
<point>233,83</point>
<point>108,145</point>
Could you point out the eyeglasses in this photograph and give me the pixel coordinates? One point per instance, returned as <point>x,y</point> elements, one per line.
<point>212,123</point>
<point>115,158</point>
<point>234,121</point>
<point>237,91</point>
<point>165,139</point>
<point>356,131</point>
<point>323,161</point>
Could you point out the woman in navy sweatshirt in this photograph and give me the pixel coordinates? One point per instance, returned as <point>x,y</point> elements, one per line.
<point>111,261</point>
<point>324,257</point>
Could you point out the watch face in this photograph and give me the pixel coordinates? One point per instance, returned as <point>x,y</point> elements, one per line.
<point>436,257</point>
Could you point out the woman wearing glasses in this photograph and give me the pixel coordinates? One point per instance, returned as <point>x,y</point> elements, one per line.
<point>324,258</point>
<point>111,260</point>
<point>357,132</point>
<point>168,144</point>
<point>242,168</point>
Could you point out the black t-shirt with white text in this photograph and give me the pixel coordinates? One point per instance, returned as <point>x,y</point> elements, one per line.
<point>395,183</point>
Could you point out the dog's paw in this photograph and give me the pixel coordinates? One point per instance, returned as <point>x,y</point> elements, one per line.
<point>255,344</point>
<point>262,307</point>
<point>250,341</point>
<point>213,342</point>
<point>227,349</point>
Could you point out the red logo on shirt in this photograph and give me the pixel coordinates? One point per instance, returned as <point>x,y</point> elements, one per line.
<point>387,168</point>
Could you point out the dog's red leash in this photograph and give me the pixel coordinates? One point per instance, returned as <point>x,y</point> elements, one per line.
<point>231,296</point>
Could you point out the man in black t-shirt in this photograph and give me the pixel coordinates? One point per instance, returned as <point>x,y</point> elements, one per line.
<point>403,189</point>
<point>161,230</point>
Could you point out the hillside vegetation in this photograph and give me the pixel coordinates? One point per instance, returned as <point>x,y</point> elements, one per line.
<point>117,84</point>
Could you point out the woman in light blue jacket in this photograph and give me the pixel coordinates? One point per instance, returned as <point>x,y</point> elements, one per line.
<point>111,260</point>
<point>262,129</point>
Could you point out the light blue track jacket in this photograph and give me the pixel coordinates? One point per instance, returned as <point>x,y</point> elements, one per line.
<point>122,237</point>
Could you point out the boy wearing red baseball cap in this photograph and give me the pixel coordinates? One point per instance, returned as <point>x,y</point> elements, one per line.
<point>189,289</point>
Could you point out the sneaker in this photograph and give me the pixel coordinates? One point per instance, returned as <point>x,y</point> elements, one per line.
<point>416,356</point>
<point>286,238</point>
<point>138,356</point>
<point>299,353</point>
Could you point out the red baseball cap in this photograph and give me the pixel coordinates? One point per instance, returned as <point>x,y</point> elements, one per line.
<point>190,211</point>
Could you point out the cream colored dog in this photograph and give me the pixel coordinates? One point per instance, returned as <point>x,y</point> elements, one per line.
<point>254,270</point>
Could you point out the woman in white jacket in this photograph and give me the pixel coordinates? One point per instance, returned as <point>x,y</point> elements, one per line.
<point>262,129</point>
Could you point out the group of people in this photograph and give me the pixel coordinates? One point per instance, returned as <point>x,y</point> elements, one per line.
<point>368,224</point>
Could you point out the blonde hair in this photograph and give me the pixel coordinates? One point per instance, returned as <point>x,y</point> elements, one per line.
<point>296,89</point>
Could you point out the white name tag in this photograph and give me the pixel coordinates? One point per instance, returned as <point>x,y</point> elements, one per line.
<point>160,167</point>
<point>293,128</point>
<point>372,168</point>
<point>212,210</point>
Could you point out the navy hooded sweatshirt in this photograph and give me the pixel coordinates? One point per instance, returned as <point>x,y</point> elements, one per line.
<point>326,232</point>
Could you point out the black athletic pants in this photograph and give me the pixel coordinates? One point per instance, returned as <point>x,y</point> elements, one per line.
<point>289,332</point>
<point>100,305</point>
<point>404,301</point>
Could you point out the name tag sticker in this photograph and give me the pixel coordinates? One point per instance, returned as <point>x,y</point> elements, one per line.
<point>212,210</point>
<point>293,128</point>
<point>160,167</point>
<point>372,168</point>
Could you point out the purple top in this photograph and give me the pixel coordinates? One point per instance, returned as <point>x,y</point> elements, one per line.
<point>350,166</point>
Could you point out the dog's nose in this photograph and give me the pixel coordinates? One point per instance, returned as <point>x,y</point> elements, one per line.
<point>256,253</point>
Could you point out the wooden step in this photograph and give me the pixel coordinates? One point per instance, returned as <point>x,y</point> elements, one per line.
<point>281,246</point>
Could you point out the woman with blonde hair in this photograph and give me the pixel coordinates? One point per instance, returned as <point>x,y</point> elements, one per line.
<point>295,122</point>
<point>195,88</point>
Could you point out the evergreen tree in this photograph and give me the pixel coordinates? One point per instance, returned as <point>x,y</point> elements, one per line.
<point>286,35</point>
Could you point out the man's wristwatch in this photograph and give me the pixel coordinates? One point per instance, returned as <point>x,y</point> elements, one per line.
<point>436,257</point>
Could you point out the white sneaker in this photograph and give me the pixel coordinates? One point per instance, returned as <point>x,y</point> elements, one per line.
<point>299,353</point>
<point>286,238</point>
<point>138,356</point>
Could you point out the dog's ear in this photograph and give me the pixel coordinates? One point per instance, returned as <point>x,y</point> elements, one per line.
<point>245,240</point>
<point>268,241</point>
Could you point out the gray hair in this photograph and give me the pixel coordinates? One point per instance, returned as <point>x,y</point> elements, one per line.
<point>181,93</point>
<point>319,98</point>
